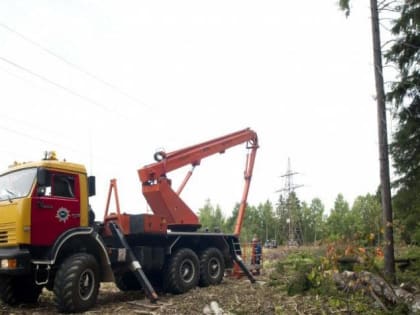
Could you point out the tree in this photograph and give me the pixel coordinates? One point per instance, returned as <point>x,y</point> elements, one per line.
<point>268,221</point>
<point>404,54</point>
<point>252,223</point>
<point>389,267</point>
<point>282,217</point>
<point>317,210</point>
<point>366,215</point>
<point>211,218</point>
<point>294,216</point>
<point>338,220</point>
<point>307,223</point>
<point>405,150</point>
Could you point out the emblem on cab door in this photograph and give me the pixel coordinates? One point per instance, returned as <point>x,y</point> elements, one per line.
<point>62,214</point>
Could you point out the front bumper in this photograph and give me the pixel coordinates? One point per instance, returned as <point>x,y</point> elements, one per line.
<point>15,261</point>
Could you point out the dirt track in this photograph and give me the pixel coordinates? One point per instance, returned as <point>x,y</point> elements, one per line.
<point>231,296</point>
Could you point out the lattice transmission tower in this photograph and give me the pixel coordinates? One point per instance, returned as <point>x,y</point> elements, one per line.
<point>294,237</point>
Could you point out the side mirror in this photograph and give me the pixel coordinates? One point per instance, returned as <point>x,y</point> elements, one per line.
<point>42,176</point>
<point>91,186</point>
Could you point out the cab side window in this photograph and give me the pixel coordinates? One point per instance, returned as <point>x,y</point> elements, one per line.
<point>63,186</point>
<point>59,185</point>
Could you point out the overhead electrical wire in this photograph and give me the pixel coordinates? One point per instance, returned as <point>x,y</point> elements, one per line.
<point>27,135</point>
<point>58,85</point>
<point>73,65</point>
<point>61,86</point>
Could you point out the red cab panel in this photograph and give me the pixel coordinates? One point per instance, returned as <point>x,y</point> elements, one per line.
<point>55,208</point>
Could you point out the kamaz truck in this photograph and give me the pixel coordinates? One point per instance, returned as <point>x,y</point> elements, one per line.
<point>50,239</point>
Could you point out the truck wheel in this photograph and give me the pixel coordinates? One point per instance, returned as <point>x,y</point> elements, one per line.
<point>182,272</point>
<point>127,282</point>
<point>212,267</point>
<point>16,290</point>
<point>76,283</point>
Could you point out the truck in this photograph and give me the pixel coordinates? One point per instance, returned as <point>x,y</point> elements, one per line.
<point>49,237</point>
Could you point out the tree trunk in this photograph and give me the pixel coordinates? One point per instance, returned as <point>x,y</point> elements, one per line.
<point>383,148</point>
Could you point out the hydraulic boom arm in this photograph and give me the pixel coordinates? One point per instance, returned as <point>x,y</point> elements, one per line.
<point>165,202</point>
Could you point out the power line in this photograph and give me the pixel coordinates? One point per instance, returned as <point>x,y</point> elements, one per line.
<point>24,134</point>
<point>55,144</point>
<point>61,86</point>
<point>57,85</point>
<point>75,66</point>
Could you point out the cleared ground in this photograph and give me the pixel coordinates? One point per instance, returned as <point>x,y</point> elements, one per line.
<point>236,296</point>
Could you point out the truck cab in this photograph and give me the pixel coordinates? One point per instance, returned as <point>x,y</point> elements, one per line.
<point>39,201</point>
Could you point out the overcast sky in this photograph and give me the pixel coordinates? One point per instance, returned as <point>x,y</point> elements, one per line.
<point>106,83</point>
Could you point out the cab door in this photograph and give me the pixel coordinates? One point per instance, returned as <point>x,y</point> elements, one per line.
<point>55,208</point>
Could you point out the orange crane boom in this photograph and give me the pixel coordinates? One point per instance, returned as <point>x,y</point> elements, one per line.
<point>166,202</point>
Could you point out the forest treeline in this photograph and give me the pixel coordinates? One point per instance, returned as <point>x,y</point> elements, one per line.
<point>310,223</point>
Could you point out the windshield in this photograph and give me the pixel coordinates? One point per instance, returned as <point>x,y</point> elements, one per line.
<point>16,184</point>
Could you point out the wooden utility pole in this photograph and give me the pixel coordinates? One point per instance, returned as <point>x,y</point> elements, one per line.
<point>383,147</point>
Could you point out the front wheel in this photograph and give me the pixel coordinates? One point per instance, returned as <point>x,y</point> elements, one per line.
<point>76,284</point>
<point>16,290</point>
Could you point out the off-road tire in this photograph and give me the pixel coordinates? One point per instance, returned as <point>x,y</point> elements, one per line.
<point>76,284</point>
<point>16,290</point>
<point>127,282</point>
<point>182,271</point>
<point>212,267</point>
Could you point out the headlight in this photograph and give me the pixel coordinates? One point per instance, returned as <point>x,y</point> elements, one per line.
<point>8,264</point>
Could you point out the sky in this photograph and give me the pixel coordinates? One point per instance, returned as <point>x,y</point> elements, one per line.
<point>107,83</point>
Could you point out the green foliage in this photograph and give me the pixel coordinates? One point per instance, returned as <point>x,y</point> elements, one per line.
<point>288,210</point>
<point>211,218</point>
<point>282,216</point>
<point>312,272</point>
<point>404,53</point>
<point>405,150</point>
<point>404,94</point>
<point>367,220</point>
<point>411,274</point>
<point>312,222</point>
<point>259,221</point>
<point>297,266</point>
<point>345,6</point>
<point>339,221</point>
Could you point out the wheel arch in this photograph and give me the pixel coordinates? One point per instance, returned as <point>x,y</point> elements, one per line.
<point>82,240</point>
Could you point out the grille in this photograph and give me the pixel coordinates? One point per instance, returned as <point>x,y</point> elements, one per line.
<point>7,233</point>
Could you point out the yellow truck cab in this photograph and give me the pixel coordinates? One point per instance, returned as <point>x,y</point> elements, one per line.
<point>44,218</point>
<point>40,200</point>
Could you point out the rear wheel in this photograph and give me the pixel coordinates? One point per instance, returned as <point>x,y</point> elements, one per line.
<point>76,284</point>
<point>182,272</point>
<point>212,267</point>
<point>16,290</point>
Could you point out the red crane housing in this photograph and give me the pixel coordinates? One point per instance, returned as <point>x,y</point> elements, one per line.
<point>167,203</point>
